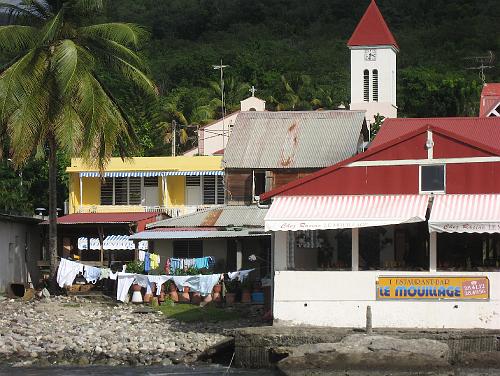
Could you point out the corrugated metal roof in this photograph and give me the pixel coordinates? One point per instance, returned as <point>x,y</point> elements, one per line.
<point>90,218</point>
<point>220,216</point>
<point>158,235</point>
<point>485,131</point>
<point>490,98</point>
<point>293,139</point>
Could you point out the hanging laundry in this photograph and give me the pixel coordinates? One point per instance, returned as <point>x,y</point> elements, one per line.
<point>142,255</point>
<point>241,275</point>
<point>105,273</point>
<point>167,266</point>
<point>204,262</point>
<point>175,264</point>
<point>147,262</point>
<point>155,260</point>
<point>159,280</point>
<point>191,281</point>
<point>125,280</point>
<point>92,274</point>
<point>207,283</point>
<point>67,272</point>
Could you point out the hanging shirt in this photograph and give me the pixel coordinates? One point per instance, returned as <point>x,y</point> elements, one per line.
<point>147,262</point>
<point>67,272</point>
<point>92,274</point>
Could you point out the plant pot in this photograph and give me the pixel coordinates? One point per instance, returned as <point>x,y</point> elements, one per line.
<point>174,296</point>
<point>217,288</point>
<point>136,287</point>
<point>246,296</point>
<point>184,297</point>
<point>161,297</point>
<point>217,297</point>
<point>172,287</point>
<point>196,298</point>
<point>208,298</point>
<point>230,298</point>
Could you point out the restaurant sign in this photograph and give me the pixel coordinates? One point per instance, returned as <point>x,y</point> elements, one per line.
<point>433,288</point>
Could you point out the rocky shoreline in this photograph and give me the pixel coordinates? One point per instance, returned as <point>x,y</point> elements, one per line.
<point>78,331</point>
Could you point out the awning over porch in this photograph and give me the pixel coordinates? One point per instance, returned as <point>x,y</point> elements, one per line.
<point>123,174</point>
<point>466,213</point>
<point>293,213</point>
<point>111,242</point>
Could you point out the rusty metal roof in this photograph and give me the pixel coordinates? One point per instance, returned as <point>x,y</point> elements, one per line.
<point>220,216</point>
<point>293,139</point>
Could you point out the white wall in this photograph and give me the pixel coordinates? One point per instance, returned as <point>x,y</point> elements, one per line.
<point>340,299</point>
<point>19,252</point>
<point>385,63</point>
<point>213,138</point>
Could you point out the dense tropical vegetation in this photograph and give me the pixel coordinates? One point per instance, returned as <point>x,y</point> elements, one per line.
<point>294,52</point>
<point>52,97</point>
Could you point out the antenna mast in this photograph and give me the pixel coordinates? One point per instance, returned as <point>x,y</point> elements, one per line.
<point>221,68</point>
<point>481,63</point>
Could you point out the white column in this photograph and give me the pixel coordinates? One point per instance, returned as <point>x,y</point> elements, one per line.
<point>355,249</point>
<point>239,254</point>
<point>433,251</point>
<point>280,250</point>
<point>165,190</point>
<point>81,193</point>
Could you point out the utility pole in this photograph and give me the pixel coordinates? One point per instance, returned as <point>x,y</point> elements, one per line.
<point>221,68</point>
<point>174,132</point>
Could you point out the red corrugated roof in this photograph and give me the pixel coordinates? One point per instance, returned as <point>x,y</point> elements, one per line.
<point>485,131</point>
<point>400,134</point>
<point>218,152</point>
<point>490,98</point>
<point>372,30</point>
<point>91,218</point>
<point>176,229</point>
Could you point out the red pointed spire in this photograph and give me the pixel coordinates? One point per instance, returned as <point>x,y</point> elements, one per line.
<point>372,30</point>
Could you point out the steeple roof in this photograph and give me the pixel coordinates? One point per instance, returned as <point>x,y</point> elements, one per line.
<point>372,30</point>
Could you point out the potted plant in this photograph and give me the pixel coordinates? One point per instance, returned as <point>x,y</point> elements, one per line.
<point>231,289</point>
<point>172,291</point>
<point>246,291</point>
<point>136,267</point>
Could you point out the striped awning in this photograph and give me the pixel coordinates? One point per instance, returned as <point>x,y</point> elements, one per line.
<point>465,213</point>
<point>124,174</point>
<point>293,213</point>
<point>111,242</point>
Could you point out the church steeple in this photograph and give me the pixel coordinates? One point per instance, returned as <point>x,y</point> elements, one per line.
<point>373,66</point>
<point>372,30</point>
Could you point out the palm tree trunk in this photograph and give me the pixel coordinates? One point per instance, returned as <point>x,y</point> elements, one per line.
<point>52,207</point>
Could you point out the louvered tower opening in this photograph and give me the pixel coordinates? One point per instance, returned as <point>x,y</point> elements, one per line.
<point>366,85</point>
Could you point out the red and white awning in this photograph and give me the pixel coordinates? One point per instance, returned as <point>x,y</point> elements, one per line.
<point>465,213</point>
<point>293,213</point>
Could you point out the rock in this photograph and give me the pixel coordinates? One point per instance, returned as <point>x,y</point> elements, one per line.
<point>364,352</point>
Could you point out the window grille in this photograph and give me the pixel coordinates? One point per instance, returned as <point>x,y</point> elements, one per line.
<point>188,248</point>
<point>192,181</point>
<point>134,193</point>
<point>375,85</point>
<point>366,85</point>
<point>107,192</point>
<point>220,189</point>
<point>151,181</point>
<point>121,191</point>
<point>209,190</point>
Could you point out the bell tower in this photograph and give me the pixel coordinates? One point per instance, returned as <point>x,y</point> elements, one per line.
<point>373,66</point>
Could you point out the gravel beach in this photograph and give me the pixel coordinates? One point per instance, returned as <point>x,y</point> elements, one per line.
<point>78,331</point>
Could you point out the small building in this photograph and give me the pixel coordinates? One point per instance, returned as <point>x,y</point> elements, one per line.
<point>20,249</point>
<point>490,100</point>
<point>213,137</point>
<point>411,228</point>
<point>171,185</point>
<point>230,234</point>
<point>269,149</point>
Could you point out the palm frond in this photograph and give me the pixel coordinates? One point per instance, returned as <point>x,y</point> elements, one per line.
<point>18,13</point>
<point>52,27</point>
<point>107,50</point>
<point>123,33</point>
<point>17,38</point>
<point>66,62</point>
<point>135,75</point>
<point>86,7</point>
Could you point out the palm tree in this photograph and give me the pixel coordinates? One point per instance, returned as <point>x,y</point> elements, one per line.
<point>52,94</point>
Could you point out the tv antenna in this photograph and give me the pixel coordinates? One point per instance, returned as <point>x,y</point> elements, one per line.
<point>481,63</point>
<point>221,67</point>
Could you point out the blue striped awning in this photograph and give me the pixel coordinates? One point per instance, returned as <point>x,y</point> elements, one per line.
<point>124,174</point>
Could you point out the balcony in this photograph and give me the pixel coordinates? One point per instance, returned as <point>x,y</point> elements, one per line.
<point>170,211</point>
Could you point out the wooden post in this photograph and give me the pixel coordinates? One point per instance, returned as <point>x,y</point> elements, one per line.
<point>101,243</point>
<point>369,328</point>
<point>136,250</point>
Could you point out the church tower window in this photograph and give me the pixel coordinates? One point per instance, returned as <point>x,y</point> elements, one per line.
<point>375,85</point>
<point>366,85</point>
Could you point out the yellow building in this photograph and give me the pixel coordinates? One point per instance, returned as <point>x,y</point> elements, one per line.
<point>174,185</point>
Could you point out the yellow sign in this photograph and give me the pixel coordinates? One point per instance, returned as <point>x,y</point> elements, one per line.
<point>438,288</point>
